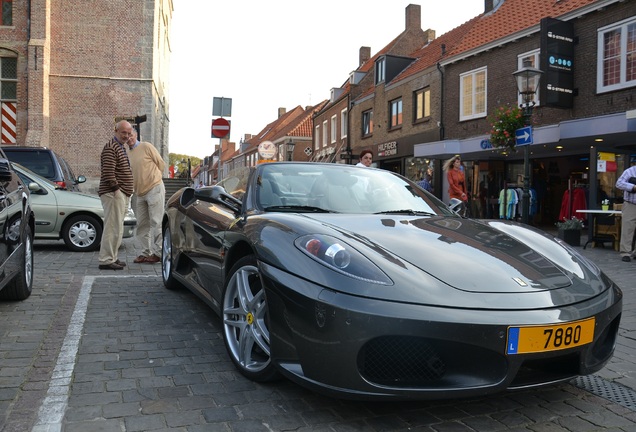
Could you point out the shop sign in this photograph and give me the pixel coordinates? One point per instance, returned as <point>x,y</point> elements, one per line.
<point>387,149</point>
<point>557,54</point>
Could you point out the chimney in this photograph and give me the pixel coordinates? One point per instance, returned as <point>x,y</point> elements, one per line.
<point>413,17</point>
<point>281,112</point>
<point>430,35</point>
<point>488,5</point>
<point>365,55</point>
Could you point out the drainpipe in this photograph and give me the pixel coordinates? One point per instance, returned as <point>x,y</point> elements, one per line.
<point>441,103</point>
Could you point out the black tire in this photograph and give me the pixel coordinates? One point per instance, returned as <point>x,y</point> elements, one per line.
<point>22,284</point>
<point>82,233</point>
<point>167,262</point>
<point>245,322</point>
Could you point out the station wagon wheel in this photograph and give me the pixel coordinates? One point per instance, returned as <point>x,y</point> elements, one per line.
<point>245,322</point>
<point>82,233</point>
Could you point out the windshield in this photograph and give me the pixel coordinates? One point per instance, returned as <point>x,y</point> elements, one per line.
<point>27,176</point>
<point>341,189</point>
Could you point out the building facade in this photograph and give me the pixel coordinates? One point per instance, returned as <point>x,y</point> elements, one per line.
<point>71,68</point>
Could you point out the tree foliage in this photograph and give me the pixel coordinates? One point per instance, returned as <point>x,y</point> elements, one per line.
<point>181,160</point>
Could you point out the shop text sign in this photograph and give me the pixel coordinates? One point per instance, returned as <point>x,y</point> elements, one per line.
<point>387,149</point>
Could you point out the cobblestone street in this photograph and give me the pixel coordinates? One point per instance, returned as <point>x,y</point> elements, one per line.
<point>94,350</point>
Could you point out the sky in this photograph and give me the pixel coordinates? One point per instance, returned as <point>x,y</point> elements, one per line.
<point>266,55</point>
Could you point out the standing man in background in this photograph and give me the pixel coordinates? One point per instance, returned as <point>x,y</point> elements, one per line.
<point>149,197</point>
<point>115,189</point>
<point>627,183</point>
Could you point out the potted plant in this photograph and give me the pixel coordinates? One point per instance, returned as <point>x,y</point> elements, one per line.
<point>503,126</point>
<point>570,231</point>
<point>605,204</point>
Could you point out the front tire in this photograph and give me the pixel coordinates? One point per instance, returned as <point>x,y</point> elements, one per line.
<point>21,286</point>
<point>167,262</point>
<point>82,233</point>
<point>245,322</point>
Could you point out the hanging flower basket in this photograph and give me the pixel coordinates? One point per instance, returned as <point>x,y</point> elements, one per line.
<point>503,126</point>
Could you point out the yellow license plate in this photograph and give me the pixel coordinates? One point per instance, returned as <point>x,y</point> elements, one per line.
<point>534,339</point>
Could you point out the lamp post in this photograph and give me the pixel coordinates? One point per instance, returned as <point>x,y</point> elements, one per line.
<point>290,149</point>
<point>527,79</point>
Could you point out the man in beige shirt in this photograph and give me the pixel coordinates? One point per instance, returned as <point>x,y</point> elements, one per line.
<point>148,198</point>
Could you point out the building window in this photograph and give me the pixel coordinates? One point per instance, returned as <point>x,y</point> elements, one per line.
<point>617,56</point>
<point>472,90</point>
<point>380,70</point>
<point>334,128</point>
<point>7,12</point>
<point>8,79</point>
<point>324,133</point>
<point>8,99</point>
<point>533,61</point>
<point>367,123</point>
<point>422,104</point>
<point>317,137</point>
<point>344,123</point>
<point>396,113</point>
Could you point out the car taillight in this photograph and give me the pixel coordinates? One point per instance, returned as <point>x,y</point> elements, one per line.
<point>61,184</point>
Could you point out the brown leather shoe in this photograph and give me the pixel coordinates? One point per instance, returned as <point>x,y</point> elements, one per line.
<point>152,259</point>
<point>111,266</point>
<point>140,259</point>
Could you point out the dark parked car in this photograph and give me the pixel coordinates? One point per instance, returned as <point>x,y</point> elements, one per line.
<point>357,283</point>
<point>17,224</point>
<point>46,163</point>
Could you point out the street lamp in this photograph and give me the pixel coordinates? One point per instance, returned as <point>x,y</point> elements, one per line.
<point>527,79</point>
<point>290,150</point>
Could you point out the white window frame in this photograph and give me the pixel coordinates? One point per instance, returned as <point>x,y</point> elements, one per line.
<point>344,123</point>
<point>334,128</point>
<point>473,77</point>
<point>380,70</point>
<point>324,133</point>
<point>624,28</point>
<point>317,137</point>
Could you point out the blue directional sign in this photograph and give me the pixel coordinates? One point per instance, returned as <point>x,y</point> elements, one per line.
<point>523,136</point>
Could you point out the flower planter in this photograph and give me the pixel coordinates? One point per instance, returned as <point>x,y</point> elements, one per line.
<point>570,236</point>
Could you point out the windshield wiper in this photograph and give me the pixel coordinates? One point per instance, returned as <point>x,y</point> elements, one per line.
<point>407,212</point>
<point>297,208</point>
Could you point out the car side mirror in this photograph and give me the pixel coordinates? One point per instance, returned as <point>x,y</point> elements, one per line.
<point>35,188</point>
<point>456,206</point>
<point>218,195</point>
<point>81,179</point>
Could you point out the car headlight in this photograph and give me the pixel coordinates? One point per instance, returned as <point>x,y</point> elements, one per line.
<point>341,257</point>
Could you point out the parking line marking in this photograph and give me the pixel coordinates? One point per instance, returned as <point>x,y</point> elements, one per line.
<point>51,412</point>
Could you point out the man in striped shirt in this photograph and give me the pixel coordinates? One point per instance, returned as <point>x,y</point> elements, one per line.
<point>115,189</point>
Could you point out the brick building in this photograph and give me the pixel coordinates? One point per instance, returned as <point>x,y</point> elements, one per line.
<point>70,68</point>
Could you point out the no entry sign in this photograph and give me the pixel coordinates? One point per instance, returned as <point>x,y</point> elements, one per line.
<point>220,127</point>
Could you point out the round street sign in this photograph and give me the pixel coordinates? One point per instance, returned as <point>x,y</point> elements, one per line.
<point>220,127</point>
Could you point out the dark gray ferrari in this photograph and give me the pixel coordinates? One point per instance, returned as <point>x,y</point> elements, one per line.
<point>356,283</point>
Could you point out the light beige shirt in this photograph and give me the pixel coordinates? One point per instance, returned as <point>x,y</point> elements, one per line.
<point>147,167</point>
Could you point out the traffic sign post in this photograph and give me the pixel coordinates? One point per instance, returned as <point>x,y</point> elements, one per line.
<point>523,136</point>
<point>220,128</point>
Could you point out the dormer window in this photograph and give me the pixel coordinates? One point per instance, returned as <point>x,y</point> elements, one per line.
<point>380,70</point>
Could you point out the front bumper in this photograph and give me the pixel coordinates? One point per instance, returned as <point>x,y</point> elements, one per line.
<point>360,348</point>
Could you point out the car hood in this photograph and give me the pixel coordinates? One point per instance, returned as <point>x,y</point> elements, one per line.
<point>469,255</point>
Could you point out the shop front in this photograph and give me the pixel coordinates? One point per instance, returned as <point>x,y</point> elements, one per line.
<point>573,164</point>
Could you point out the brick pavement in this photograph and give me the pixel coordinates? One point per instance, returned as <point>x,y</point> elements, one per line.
<point>141,358</point>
